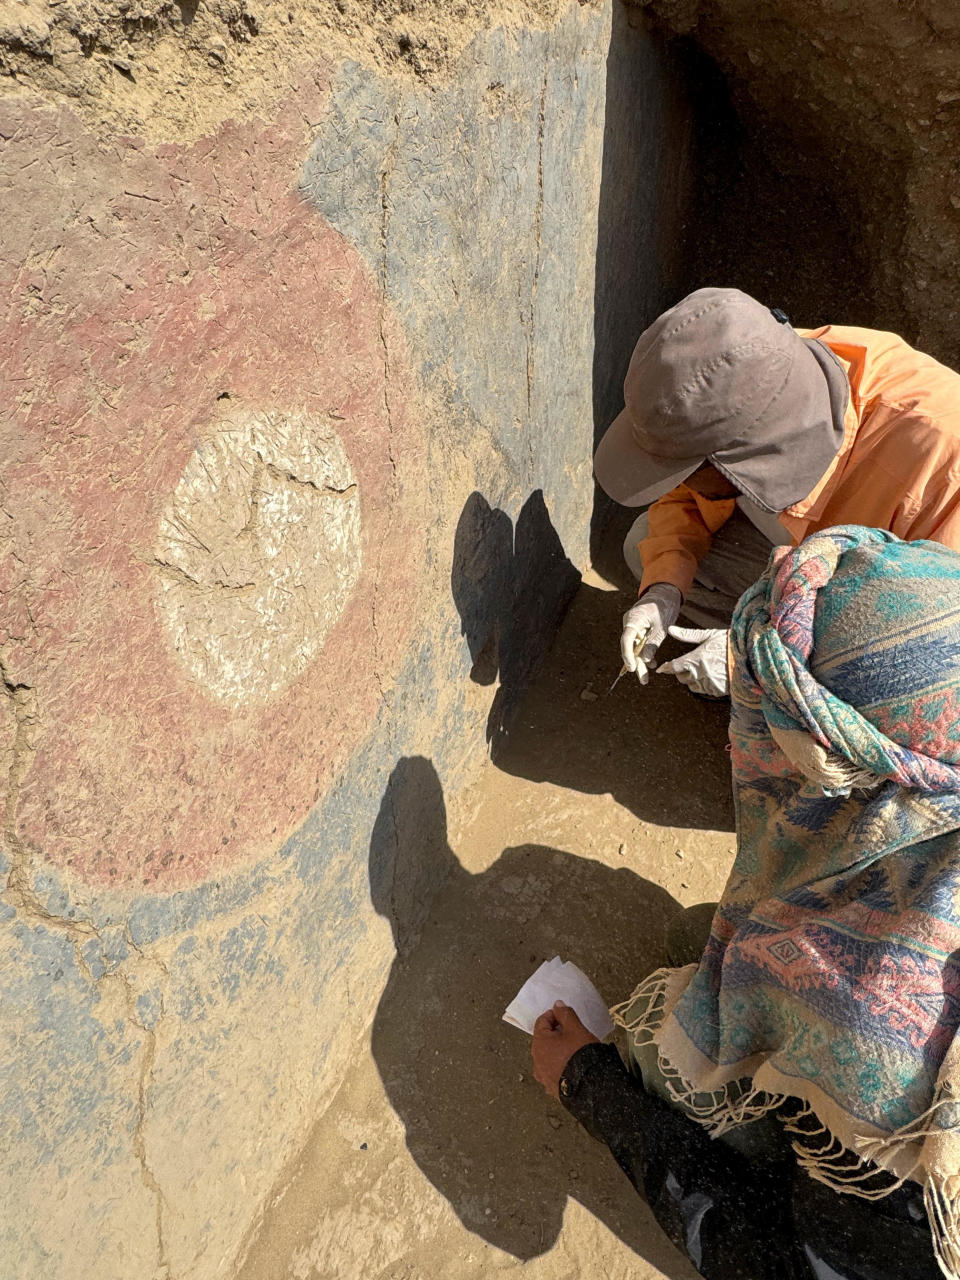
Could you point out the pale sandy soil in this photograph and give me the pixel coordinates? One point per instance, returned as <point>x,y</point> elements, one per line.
<point>441,1157</point>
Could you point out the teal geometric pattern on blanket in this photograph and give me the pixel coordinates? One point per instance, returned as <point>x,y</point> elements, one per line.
<point>835,952</point>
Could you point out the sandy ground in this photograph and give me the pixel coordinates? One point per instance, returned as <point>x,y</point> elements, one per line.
<point>441,1157</point>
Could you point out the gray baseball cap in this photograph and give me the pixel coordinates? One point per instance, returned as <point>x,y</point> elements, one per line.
<point>719,378</point>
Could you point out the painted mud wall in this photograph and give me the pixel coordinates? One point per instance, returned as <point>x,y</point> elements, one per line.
<point>301,362</point>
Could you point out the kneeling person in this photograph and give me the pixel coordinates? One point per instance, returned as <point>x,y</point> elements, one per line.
<point>817,1038</point>
<point>743,432</point>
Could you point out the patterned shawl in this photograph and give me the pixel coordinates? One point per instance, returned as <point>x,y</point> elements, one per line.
<point>832,973</point>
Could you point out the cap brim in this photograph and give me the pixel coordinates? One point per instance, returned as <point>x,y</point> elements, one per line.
<point>631,476</point>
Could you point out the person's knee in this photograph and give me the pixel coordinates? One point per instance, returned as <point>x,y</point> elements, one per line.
<point>631,545</point>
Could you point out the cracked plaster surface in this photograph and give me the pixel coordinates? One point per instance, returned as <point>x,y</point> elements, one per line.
<point>113,992</point>
<point>257,553</point>
<point>487,296</point>
<point>237,1026</point>
<point>95,389</point>
<point>150,317</point>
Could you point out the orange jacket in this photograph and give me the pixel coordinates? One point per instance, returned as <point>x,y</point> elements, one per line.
<point>898,467</point>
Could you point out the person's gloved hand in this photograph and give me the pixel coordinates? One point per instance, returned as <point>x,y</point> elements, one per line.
<point>645,628</point>
<point>703,669</point>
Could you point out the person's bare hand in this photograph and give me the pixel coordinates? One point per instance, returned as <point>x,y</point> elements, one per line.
<point>557,1035</point>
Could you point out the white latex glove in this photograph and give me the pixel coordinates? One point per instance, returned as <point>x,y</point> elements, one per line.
<point>645,628</point>
<point>703,669</point>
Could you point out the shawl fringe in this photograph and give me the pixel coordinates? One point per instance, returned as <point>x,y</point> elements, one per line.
<point>819,1151</point>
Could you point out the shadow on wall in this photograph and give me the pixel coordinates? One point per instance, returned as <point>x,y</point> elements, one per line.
<point>477,1124</point>
<point>645,180</point>
<point>511,588</point>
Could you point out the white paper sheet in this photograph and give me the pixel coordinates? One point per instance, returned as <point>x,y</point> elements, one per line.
<point>557,979</point>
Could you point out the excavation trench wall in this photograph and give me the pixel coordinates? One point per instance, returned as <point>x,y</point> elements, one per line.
<point>829,175</point>
<point>310,318</point>
<point>308,324</point>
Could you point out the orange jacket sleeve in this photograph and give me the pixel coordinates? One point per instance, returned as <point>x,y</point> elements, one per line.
<point>681,528</point>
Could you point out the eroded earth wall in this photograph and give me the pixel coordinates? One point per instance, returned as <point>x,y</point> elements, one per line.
<point>853,109</point>
<point>298,384</point>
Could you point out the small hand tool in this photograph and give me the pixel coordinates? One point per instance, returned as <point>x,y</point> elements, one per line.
<point>637,647</point>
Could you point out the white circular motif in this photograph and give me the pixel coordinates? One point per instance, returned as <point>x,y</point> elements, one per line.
<point>257,552</point>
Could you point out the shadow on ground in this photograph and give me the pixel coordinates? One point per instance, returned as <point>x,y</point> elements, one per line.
<point>477,1124</point>
<point>657,750</point>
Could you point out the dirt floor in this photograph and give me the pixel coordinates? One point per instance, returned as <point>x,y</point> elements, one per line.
<point>441,1157</point>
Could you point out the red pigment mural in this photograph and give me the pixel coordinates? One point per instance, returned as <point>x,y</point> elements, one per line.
<point>210,496</point>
